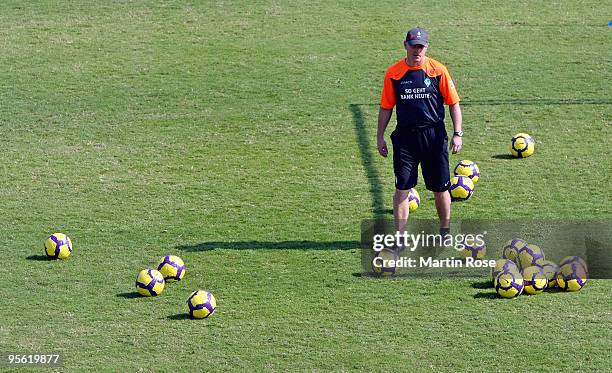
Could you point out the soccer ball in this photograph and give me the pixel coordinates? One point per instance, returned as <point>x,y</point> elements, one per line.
<point>201,304</point>
<point>172,268</point>
<point>414,200</point>
<point>512,248</point>
<point>461,188</point>
<point>387,264</point>
<point>58,246</point>
<point>534,280</point>
<point>530,255</point>
<point>503,265</point>
<point>472,249</point>
<point>550,270</point>
<point>467,168</point>
<point>150,282</point>
<point>572,276</point>
<point>509,284</point>
<point>574,259</point>
<point>522,145</point>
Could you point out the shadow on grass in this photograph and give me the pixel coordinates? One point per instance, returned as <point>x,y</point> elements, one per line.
<point>39,258</point>
<point>129,295</point>
<point>385,211</point>
<point>367,151</point>
<point>179,316</point>
<point>283,245</point>
<point>503,156</point>
<point>482,285</point>
<point>487,295</point>
<point>555,290</point>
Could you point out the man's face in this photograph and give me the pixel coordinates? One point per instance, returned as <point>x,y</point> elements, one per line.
<point>415,53</point>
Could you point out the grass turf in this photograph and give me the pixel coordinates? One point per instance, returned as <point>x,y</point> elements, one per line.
<point>239,136</point>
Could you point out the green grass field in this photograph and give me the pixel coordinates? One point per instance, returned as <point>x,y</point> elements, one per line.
<point>241,137</point>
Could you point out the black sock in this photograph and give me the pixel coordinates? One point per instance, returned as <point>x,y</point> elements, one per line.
<point>444,231</point>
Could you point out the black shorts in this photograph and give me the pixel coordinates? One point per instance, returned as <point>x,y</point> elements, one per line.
<point>426,146</point>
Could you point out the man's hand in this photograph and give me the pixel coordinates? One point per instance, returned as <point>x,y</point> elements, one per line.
<point>382,147</point>
<point>455,144</point>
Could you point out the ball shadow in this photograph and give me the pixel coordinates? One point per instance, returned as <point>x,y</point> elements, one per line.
<point>39,258</point>
<point>555,290</point>
<point>503,156</point>
<point>482,285</point>
<point>488,295</point>
<point>129,295</point>
<point>179,316</point>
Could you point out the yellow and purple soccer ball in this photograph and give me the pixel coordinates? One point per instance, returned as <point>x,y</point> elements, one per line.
<point>509,284</point>
<point>414,200</point>
<point>503,265</point>
<point>461,188</point>
<point>534,280</point>
<point>574,259</point>
<point>512,248</point>
<point>467,168</point>
<point>58,246</point>
<point>172,268</point>
<point>384,262</point>
<point>473,249</point>
<point>530,255</point>
<point>550,270</point>
<point>201,304</point>
<point>522,145</point>
<point>572,275</point>
<point>150,283</point>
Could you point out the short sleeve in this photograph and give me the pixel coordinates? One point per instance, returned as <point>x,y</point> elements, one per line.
<point>387,99</point>
<point>447,88</point>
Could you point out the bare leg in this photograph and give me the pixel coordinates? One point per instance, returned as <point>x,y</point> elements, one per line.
<point>443,206</point>
<point>401,209</point>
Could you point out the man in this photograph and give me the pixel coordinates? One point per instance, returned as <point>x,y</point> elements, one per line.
<point>419,87</point>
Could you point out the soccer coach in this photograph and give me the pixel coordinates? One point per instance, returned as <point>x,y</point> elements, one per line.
<point>419,86</point>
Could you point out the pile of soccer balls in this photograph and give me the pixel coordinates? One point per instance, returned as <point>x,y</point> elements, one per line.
<point>150,282</point>
<point>524,269</point>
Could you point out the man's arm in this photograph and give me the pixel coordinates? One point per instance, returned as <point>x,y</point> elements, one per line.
<point>456,141</point>
<point>384,115</point>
